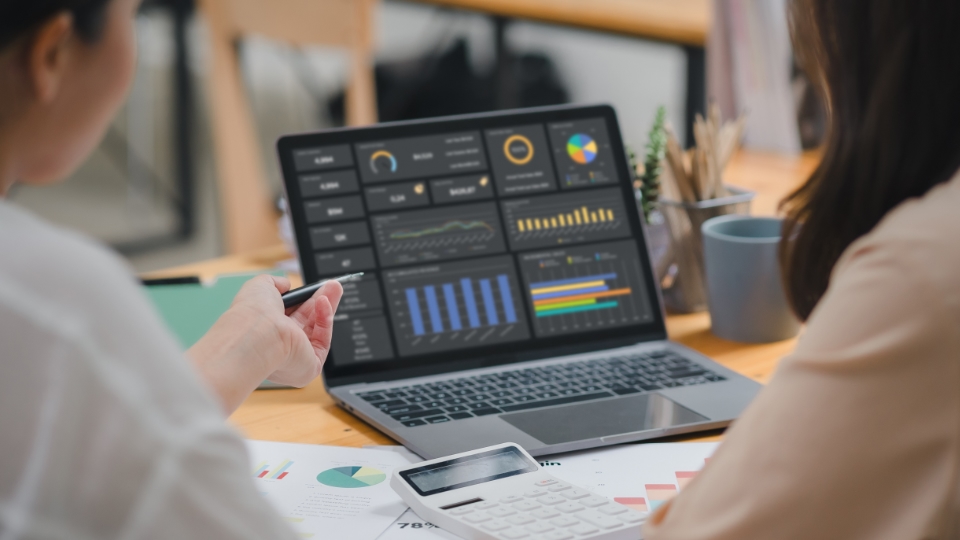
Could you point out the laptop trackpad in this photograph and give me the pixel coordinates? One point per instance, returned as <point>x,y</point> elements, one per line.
<point>602,418</point>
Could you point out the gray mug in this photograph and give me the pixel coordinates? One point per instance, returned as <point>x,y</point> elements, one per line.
<point>744,288</point>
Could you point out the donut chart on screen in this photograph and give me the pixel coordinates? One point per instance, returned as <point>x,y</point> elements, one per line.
<point>582,148</point>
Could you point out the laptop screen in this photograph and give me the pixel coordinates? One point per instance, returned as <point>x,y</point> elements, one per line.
<point>484,239</point>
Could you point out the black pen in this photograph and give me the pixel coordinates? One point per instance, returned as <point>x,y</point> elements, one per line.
<point>301,295</point>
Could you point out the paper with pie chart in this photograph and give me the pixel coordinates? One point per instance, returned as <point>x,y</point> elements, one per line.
<point>582,152</point>
<point>328,491</point>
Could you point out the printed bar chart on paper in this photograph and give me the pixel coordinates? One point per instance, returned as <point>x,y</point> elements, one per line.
<point>263,470</point>
<point>567,218</point>
<point>585,288</point>
<point>659,494</point>
<point>328,491</point>
<point>637,503</point>
<point>452,305</point>
<point>640,476</point>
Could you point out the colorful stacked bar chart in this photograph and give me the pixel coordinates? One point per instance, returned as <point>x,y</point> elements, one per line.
<point>263,470</point>
<point>454,322</point>
<point>637,503</point>
<point>660,493</point>
<point>588,293</point>
<point>684,478</point>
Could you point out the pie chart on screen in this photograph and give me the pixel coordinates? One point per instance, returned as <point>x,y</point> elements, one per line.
<point>581,148</point>
<point>351,477</point>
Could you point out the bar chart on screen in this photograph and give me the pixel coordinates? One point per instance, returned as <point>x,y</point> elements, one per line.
<point>452,305</point>
<point>569,218</point>
<point>585,288</point>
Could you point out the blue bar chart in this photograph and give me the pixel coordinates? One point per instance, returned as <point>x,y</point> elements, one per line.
<point>452,305</point>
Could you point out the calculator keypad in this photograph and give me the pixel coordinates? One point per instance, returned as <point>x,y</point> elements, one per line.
<point>549,510</point>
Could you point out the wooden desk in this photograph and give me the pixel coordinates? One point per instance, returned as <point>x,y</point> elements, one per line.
<point>309,415</point>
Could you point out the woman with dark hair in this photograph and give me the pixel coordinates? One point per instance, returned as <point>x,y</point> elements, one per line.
<point>106,431</point>
<point>858,433</point>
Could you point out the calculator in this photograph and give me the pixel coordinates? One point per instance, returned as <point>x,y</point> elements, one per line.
<point>501,493</point>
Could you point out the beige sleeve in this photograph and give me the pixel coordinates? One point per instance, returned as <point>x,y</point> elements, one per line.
<point>856,436</point>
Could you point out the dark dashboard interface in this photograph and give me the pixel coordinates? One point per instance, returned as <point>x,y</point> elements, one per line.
<point>512,234</point>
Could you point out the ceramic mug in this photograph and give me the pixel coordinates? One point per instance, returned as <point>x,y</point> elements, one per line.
<point>745,292</point>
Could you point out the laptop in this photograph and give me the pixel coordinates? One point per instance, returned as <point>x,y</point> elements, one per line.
<point>507,293</point>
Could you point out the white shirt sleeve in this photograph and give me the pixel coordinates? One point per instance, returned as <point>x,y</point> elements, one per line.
<point>105,431</point>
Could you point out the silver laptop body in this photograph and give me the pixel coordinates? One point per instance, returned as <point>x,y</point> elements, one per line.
<point>508,294</point>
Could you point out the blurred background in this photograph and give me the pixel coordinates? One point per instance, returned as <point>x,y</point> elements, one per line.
<point>158,186</point>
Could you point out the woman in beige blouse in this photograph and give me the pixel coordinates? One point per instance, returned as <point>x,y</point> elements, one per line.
<point>858,433</point>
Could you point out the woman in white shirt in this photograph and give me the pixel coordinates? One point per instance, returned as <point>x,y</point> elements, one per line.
<point>106,431</point>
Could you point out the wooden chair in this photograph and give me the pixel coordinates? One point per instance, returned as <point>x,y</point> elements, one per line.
<point>249,216</point>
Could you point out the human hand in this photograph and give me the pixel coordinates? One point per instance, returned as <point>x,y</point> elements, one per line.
<point>304,332</point>
<point>257,339</point>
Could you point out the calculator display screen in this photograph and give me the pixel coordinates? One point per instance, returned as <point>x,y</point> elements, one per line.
<point>468,470</point>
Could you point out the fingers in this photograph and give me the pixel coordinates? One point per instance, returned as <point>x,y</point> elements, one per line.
<point>282,284</point>
<point>333,291</point>
<point>321,333</point>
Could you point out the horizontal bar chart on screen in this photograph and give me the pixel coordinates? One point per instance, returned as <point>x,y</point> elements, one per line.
<point>588,293</point>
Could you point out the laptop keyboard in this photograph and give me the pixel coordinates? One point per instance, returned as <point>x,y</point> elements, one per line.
<point>532,388</point>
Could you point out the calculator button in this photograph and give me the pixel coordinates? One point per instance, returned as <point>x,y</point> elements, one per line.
<point>632,517</point>
<point>545,482</point>
<point>526,506</point>
<point>463,510</point>
<point>502,512</point>
<point>535,492</point>
<point>599,520</point>
<point>564,521</point>
<point>575,494</point>
<point>483,505</point>
<point>569,507</point>
<point>514,533</point>
<point>496,525</point>
<point>545,513</point>
<point>522,519</point>
<point>539,527</point>
<point>594,501</point>
<point>612,509</point>
<point>511,499</point>
<point>557,535</point>
<point>476,518</point>
<point>551,499</point>
<point>558,487</point>
<point>583,529</point>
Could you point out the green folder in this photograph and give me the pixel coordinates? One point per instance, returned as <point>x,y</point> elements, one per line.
<point>191,309</point>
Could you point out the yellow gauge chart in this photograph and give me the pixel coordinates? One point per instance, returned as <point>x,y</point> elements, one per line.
<point>518,149</point>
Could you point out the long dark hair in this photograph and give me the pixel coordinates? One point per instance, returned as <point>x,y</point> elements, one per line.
<point>17,17</point>
<point>889,71</point>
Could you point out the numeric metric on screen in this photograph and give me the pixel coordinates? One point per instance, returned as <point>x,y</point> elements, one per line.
<point>566,218</point>
<point>455,305</point>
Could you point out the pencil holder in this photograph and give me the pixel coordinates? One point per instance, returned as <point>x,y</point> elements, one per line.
<point>683,280</point>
